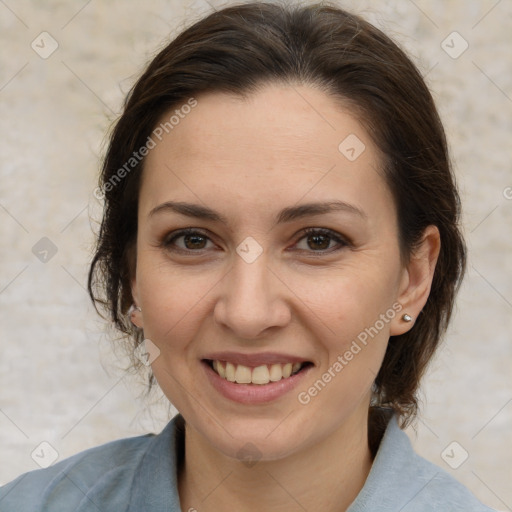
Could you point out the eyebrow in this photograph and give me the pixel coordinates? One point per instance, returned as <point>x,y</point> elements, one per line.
<point>288,214</point>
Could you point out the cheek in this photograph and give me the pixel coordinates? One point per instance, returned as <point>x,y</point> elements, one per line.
<point>357,308</point>
<point>173,305</point>
<point>351,300</point>
<point>358,314</point>
<point>171,299</point>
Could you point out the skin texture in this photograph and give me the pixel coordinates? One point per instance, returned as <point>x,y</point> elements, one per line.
<point>247,159</point>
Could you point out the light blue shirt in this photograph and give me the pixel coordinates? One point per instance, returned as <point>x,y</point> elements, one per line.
<point>139,474</point>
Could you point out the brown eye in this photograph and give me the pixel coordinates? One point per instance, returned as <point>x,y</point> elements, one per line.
<point>193,241</point>
<point>319,240</point>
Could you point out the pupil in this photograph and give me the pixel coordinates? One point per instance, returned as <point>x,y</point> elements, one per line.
<point>194,239</point>
<point>324,237</point>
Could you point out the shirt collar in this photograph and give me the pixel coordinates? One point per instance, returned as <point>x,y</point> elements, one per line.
<point>397,476</point>
<point>155,485</point>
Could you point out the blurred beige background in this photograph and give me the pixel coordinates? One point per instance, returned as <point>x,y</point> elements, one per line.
<point>59,380</point>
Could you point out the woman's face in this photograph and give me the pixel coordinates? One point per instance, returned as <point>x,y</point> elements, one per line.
<point>255,290</point>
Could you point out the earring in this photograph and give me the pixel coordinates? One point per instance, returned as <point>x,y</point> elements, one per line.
<point>133,307</point>
<point>131,313</point>
<point>407,318</point>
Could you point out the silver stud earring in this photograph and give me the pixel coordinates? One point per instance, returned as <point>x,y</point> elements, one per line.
<point>133,307</point>
<point>407,318</point>
<point>131,314</point>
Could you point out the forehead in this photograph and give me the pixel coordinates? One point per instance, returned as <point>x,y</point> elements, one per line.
<point>282,142</point>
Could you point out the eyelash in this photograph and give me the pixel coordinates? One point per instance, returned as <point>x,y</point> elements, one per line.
<point>168,242</point>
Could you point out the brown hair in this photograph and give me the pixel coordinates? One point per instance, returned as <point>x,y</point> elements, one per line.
<point>240,48</point>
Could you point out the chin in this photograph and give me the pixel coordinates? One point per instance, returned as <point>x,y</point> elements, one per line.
<point>257,439</point>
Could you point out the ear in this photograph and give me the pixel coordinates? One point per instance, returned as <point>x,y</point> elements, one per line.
<point>135,314</point>
<point>417,279</point>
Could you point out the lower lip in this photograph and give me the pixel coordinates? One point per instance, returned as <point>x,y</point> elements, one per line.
<point>253,393</point>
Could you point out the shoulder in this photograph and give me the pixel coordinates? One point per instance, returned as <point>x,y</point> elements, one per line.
<point>107,470</point>
<point>400,479</point>
<point>438,490</point>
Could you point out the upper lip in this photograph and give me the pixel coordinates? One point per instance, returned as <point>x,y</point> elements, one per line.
<point>254,360</point>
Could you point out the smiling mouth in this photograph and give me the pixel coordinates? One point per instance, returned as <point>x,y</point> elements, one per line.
<point>264,374</point>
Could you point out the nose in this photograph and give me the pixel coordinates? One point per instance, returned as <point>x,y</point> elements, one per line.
<point>253,299</point>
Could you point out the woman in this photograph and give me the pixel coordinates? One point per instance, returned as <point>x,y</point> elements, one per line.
<point>280,243</point>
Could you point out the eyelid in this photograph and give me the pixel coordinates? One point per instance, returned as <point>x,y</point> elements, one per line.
<point>340,239</point>
<point>170,237</point>
<point>334,235</point>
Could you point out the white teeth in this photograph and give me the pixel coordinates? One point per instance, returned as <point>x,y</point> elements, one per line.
<point>230,372</point>
<point>220,369</point>
<point>276,372</point>
<point>260,375</point>
<point>243,374</point>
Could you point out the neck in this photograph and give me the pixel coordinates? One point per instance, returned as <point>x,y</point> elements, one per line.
<point>326,476</point>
